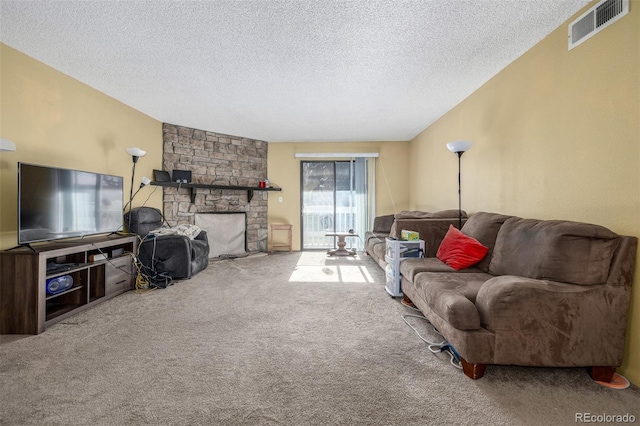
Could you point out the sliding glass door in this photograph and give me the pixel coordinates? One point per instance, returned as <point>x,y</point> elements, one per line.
<point>334,199</point>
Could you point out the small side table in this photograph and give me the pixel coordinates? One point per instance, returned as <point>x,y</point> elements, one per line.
<point>341,250</point>
<point>281,227</point>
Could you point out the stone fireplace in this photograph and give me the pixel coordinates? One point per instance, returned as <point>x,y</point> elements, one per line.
<point>217,159</point>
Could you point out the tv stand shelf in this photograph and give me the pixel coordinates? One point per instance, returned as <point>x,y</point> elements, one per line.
<point>250,189</point>
<point>25,306</point>
<point>71,290</point>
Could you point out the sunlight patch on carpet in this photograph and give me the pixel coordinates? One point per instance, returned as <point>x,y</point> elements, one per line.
<point>316,267</point>
<point>331,274</point>
<point>317,258</point>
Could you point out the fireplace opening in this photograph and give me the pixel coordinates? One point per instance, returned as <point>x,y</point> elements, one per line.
<point>226,231</point>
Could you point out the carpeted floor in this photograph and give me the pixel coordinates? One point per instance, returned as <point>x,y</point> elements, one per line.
<point>288,339</point>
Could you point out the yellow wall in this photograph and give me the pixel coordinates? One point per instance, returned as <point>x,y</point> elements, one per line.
<point>392,189</point>
<point>556,136</point>
<point>57,121</point>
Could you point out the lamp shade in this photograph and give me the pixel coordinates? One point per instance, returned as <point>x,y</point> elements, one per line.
<point>7,145</point>
<point>136,152</point>
<point>459,146</point>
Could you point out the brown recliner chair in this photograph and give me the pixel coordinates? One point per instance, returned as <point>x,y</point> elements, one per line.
<point>177,256</point>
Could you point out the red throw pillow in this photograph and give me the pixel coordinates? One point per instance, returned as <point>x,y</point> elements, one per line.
<point>459,250</point>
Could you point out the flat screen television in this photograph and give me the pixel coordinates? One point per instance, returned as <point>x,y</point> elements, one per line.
<point>56,203</point>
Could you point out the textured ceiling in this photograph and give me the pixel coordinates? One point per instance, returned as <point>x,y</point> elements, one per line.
<point>297,70</point>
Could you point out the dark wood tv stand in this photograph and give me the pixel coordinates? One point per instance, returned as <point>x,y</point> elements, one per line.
<point>25,306</point>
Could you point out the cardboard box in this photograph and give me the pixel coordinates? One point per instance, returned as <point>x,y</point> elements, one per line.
<point>409,235</point>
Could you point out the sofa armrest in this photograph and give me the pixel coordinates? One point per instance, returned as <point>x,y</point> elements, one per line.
<point>623,263</point>
<point>539,322</point>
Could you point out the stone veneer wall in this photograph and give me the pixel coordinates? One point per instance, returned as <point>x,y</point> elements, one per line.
<point>219,159</point>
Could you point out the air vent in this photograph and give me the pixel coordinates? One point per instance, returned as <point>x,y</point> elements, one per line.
<point>594,20</point>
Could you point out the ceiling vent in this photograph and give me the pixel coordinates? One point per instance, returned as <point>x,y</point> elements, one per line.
<point>594,20</point>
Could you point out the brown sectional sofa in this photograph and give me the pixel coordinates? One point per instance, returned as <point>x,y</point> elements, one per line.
<point>432,228</point>
<point>548,293</point>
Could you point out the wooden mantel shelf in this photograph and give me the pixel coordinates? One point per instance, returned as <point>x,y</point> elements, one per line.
<point>192,186</point>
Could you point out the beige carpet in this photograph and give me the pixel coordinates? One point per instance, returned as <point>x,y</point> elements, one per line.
<point>288,339</point>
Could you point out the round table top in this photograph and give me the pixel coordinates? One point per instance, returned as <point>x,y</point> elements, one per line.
<point>340,234</point>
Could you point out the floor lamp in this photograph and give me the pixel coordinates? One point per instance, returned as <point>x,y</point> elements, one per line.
<point>459,147</point>
<point>144,182</point>
<point>135,154</point>
<point>7,145</point>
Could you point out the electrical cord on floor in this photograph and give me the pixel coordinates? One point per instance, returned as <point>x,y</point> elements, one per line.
<point>141,283</point>
<point>153,254</point>
<point>153,278</point>
<point>410,307</point>
<point>430,344</point>
<point>435,347</point>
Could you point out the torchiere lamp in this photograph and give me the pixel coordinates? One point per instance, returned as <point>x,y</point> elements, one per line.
<point>459,147</point>
<point>135,153</point>
<point>144,182</point>
<point>7,145</point>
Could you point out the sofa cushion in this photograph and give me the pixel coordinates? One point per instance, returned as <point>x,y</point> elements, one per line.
<point>405,215</point>
<point>382,224</point>
<point>459,250</point>
<point>452,296</point>
<point>431,231</point>
<point>571,252</point>
<point>484,227</point>
<point>409,268</point>
<point>371,239</point>
<point>414,214</point>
